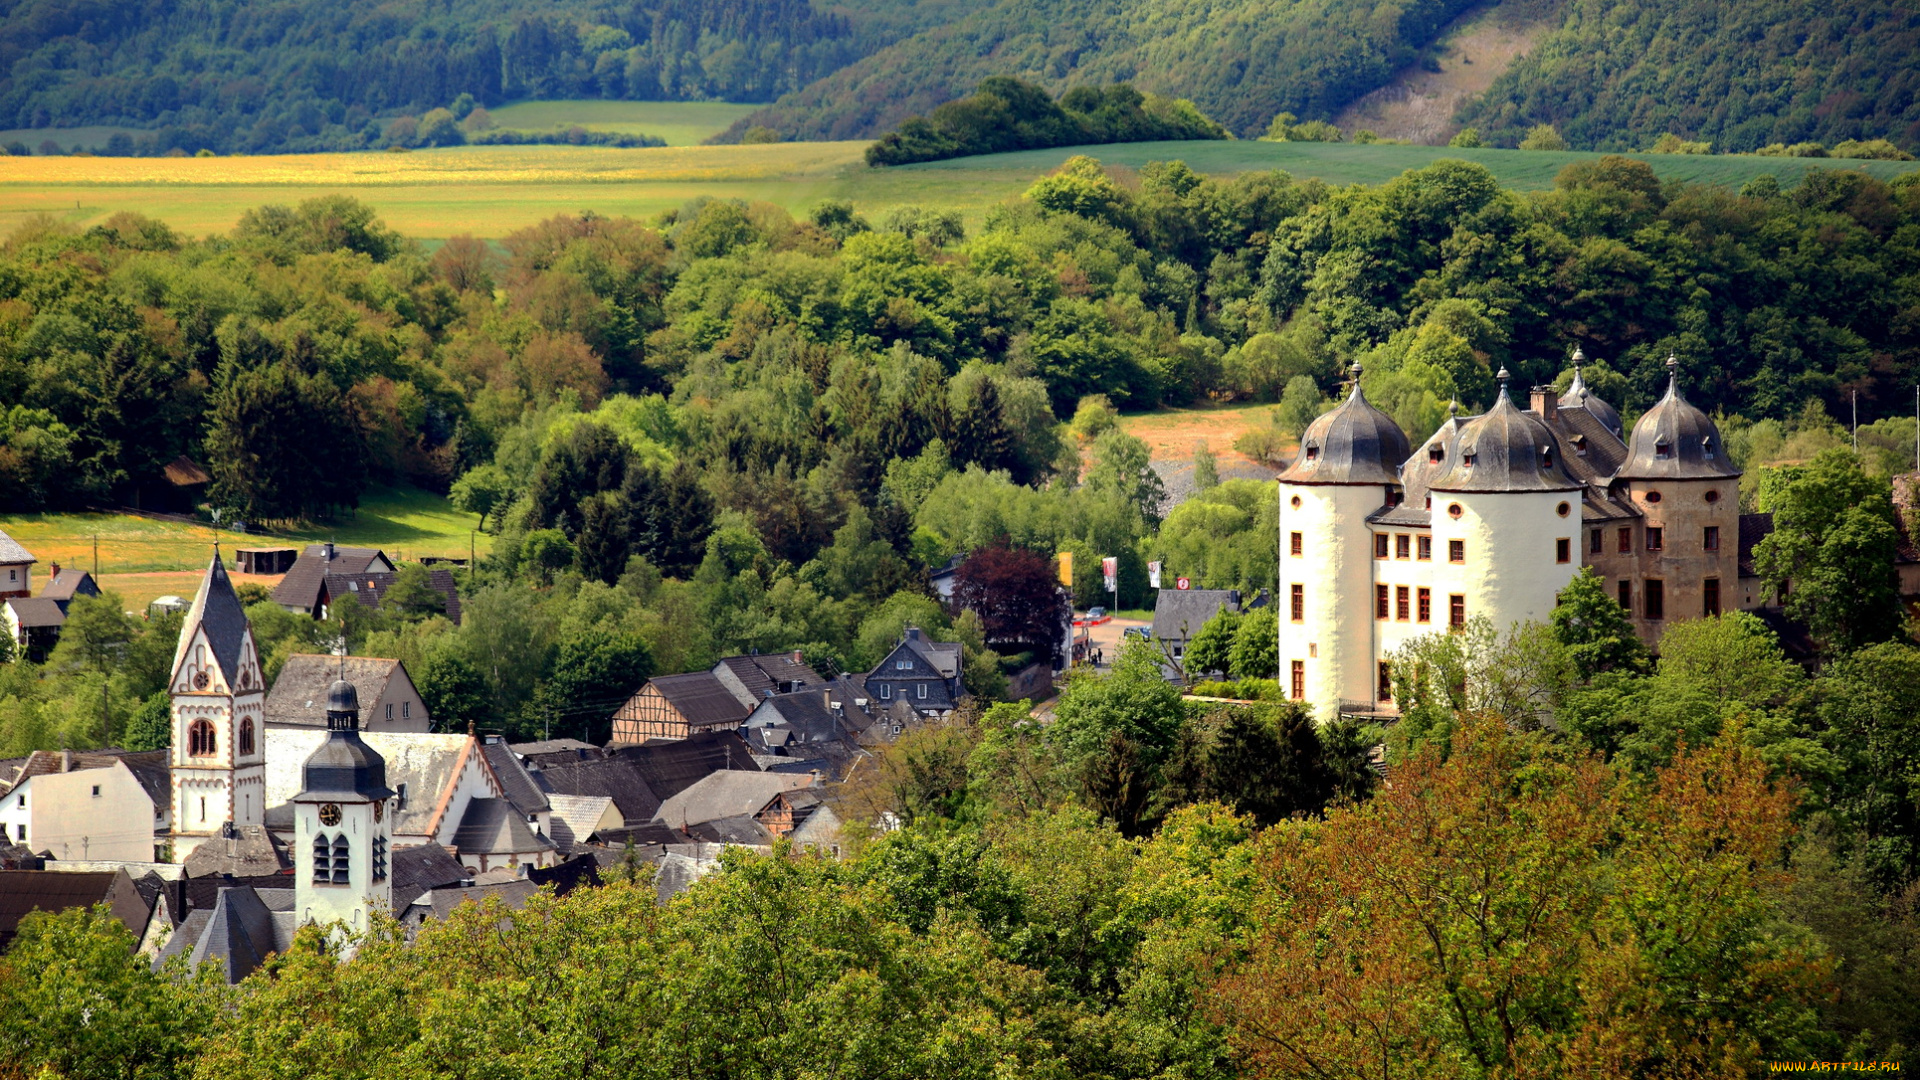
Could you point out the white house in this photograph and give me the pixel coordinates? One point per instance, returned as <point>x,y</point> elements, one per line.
<point>87,806</point>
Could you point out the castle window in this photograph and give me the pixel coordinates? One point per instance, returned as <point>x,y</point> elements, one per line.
<point>1296,502</point>
<point>1655,599</point>
<point>1710,597</point>
<point>200,739</point>
<point>1436,453</point>
<point>1385,692</point>
<point>1563,509</point>
<point>1713,496</point>
<point>1563,550</point>
<point>1425,549</point>
<point>1426,605</point>
<point>1402,546</point>
<point>1469,459</point>
<point>1626,540</point>
<point>1402,604</point>
<point>1299,602</point>
<point>1653,496</point>
<point>1294,545</point>
<point>1381,601</point>
<point>1299,687</point>
<point>1663,449</point>
<point>1656,538</point>
<point>1454,510</point>
<point>1626,594</point>
<point>1456,551</point>
<point>340,859</point>
<point>246,736</point>
<point>1596,542</point>
<point>1380,545</point>
<point>1711,539</point>
<point>1456,612</point>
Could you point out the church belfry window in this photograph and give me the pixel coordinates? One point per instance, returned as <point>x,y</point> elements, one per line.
<point>322,861</point>
<point>246,736</point>
<point>340,859</point>
<point>200,739</point>
<point>379,858</point>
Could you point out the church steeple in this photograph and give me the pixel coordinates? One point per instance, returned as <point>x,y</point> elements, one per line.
<point>218,705</point>
<point>341,828</point>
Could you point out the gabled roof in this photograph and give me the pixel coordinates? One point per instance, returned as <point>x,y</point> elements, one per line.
<point>301,587</point>
<point>426,765</point>
<point>727,794</point>
<point>494,827</point>
<point>182,472</point>
<point>515,783</point>
<point>63,585</point>
<point>11,552</point>
<point>217,611</point>
<point>761,675</point>
<point>944,656</point>
<point>701,698</point>
<point>576,817</point>
<point>441,902</point>
<point>1178,614</point>
<point>241,932</point>
<point>23,891</point>
<point>566,876</point>
<point>299,695</point>
<point>36,612</point>
<point>370,588</point>
<point>672,767</point>
<point>614,778</point>
<point>420,868</point>
<point>240,851</point>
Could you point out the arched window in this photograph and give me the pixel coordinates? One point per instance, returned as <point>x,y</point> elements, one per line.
<point>340,859</point>
<point>200,739</point>
<point>246,736</point>
<point>322,861</point>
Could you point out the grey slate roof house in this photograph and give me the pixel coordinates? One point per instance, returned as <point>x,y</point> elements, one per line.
<point>924,673</point>
<point>301,589</point>
<point>67,583</point>
<point>1178,614</point>
<point>34,622</point>
<point>24,891</point>
<point>370,588</point>
<point>390,700</point>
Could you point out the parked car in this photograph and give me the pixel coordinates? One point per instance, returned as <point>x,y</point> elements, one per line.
<point>1096,613</point>
<point>1144,633</point>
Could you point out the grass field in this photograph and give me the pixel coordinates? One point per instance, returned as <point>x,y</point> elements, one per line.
<point>69,139</point>
<point>491,191</point>
<point>142,558</point>
<point>680,123</point>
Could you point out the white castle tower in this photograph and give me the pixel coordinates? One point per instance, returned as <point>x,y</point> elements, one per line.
<point>219,738</point>
<point>341,825</point>
<point>1492,517</point>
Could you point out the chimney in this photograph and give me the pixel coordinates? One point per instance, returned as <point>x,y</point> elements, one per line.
<point>66,761</point>
<point>326,551</point>
<point>1546,403</point>
<point>54,569</point>
<point>913,633</point>
<point>797,658</point>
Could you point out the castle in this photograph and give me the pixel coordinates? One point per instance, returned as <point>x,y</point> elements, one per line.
<point>1492,516</point>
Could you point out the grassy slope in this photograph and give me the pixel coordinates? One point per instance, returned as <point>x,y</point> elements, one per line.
<point>142,558</point>
<point>680,123</point>
<point>490,191</point>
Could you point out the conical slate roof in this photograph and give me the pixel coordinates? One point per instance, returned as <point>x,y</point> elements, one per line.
<point>1675,441</point>
<point>344,767</point>
<point>1352,444</point>
<point>218,610</point>
<point>1578,396</point>
<point>1505,449</point>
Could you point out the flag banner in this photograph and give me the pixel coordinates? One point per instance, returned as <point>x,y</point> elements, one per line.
<point>1153,575</point>
<point>1110,569</point>
<point>1066,568</point>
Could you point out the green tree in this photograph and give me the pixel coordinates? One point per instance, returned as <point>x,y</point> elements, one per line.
<point>151,726</point>
<point>281,444</point>
<point>1466,138</point>
<point>1206,470</point>
<point>1256,645</point>
<point>1134,701</point>
<point>1831,549</point>
<point>1211,649</point>
<point>454,692</point>
<point>484,490</point>
<point>412,595</point>
<point>1869,707</point>
<point>1595,629</point>
<point>1543,137</point>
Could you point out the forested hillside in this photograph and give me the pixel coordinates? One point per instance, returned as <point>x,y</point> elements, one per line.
<point>1741,75</point>
<point>251,75</point>
<point>1240,62</point>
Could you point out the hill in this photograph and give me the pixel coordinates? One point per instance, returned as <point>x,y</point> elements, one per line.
<point>1742,75</point>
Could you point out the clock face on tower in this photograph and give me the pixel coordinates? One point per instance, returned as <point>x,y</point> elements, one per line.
<point>330,814</point>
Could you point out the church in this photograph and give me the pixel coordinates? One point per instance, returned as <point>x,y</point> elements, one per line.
<point>1491,517</point>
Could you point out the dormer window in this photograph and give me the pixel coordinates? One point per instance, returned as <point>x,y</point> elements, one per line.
<point>1313,453</point>
<point>1706,448</point>
<point>1469,458</point>
<point>1663,449</point>
<point>1436,453</point>
<point>1580,446</point>
<point>1546,457</point>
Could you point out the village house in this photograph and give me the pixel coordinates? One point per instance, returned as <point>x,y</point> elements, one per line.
<point>106,806</point>
<point>304,588</point>
<point>921,672</point>
<point>676,706</point>
<point>34,623</point>
<point>392,702</point>
<point>16,568</point>
<point>63,584</point>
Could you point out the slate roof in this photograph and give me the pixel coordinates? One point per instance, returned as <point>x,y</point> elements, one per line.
<point>12,552</point>
<point>424,763</point>
<point>574,817</point>
<point>944,656</point>
<point>702,699</point>
<point>1355,443</point>
<point>1505,449</point>
<point>727,794</point>
<point>23,891</point>
<point>440,903</point>
<point>582,869</point>
<point>183,472</point>
<point>572,749</point>
<point>740,830</point>
<point>1179,614</point>
<point>63,585</point>
<point>218,610</point>
<point>515,782</point>
<point>240,851</point>
<point>1753,529</point>
<point>36,612</point>
<point>1580,397</point>
<point>420,868</point>
<point>672,767</point>
<point>370,588</point>
<point>675,873</point>
<point>301,587</point>
<point>299,694</point>
<point>494,827</point>
<point>758,676</point>
<point>241,931</point>
<point>1694,447</point>
<point>619,779</point>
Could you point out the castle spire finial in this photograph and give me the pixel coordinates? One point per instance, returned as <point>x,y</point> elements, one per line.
<point>1503,376</point>
<point>1673,375</point>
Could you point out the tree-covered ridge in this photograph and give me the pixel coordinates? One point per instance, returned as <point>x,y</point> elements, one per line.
<point>1742,76</point>
<point>1240,62</point>
<point>1007,114</point>
<point>313,75</point>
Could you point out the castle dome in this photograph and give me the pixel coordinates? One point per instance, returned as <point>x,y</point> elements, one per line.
<point>1352,444</point>
<point>1505,449</point>
<point>1578,396</point>
<point>1675,441</point>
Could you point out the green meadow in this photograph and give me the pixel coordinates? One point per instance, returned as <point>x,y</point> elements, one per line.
<point>680,123</point>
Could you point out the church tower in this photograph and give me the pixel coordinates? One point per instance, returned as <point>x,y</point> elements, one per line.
<point>219,758</point>
<point>341,827</point>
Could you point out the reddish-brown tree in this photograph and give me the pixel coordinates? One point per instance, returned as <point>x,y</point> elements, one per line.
<point>1014,593</point>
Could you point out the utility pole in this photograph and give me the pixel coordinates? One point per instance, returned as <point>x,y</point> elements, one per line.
<point>96,558</point>
<point>1856,421</point>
